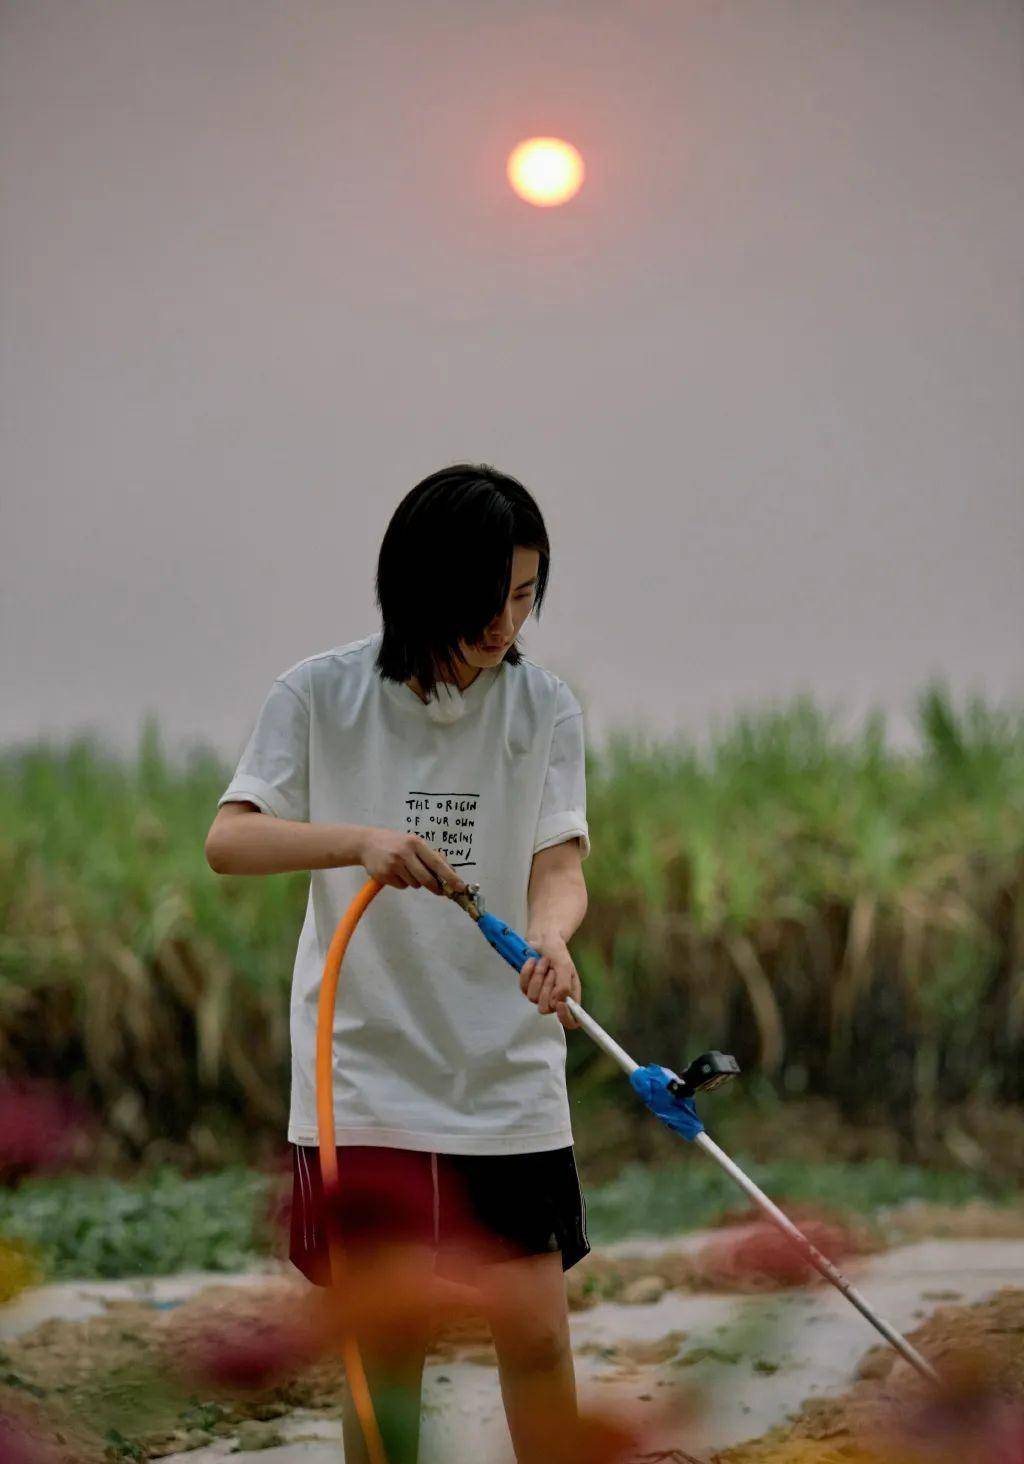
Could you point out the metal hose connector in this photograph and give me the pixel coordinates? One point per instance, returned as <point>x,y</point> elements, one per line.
<point>470,899</point>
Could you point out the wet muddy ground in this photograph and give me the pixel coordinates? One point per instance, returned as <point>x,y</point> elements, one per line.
<point>656,1327</point>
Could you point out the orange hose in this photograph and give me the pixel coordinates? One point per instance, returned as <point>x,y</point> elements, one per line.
<point>329,1158</point>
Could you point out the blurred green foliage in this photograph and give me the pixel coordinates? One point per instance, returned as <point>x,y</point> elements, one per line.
<point>155,1225</point>
<point>695,1193</point>
<point>163,1222</point>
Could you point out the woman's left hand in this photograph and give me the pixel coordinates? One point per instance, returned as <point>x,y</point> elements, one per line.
<point>550,977</point>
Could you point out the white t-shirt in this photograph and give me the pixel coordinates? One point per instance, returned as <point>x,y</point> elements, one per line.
<point>435,1046</point>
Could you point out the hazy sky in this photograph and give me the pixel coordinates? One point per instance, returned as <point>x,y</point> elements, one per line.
<point>261,272</point>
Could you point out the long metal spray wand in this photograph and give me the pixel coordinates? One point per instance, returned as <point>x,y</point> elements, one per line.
<point>513,949</point>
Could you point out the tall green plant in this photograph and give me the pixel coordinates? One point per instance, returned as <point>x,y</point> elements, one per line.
<point>830,908</point>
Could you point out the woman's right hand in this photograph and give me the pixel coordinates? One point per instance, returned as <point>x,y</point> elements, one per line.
<point>405,861</point>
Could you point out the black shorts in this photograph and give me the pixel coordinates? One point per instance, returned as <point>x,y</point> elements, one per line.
<point>499,1206</point>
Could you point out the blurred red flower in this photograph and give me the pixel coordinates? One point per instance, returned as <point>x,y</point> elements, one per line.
<point>246,1353</point>
<point>42,1128</point>
<point>761,1255</point>
<point>20,1444</point>
<point>596,1436</point>
<point>971,1421</point>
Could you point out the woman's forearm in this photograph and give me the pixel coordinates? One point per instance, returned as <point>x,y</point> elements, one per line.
<point>557,897</point>
<point>252,842</point>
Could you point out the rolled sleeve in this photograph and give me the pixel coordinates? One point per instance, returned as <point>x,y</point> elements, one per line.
<point>563,808</point>
<point>273,771</point>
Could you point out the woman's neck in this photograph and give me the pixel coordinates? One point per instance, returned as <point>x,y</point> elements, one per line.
<point>466,680</point>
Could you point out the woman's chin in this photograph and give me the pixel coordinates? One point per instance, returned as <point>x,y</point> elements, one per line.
<point>481,658</point>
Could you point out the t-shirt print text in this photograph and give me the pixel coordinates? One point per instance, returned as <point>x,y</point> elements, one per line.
<point>446,821</point>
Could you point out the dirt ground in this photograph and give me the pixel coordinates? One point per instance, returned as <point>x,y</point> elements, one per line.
<point>891,1414</point>
<point>84,1385</point>
<point>116,1385</point>
<point>90,1384</point>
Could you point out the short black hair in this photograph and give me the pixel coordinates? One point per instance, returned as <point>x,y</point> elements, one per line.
<point>445,568</point>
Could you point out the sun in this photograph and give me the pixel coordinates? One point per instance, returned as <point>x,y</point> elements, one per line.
<point>545,171</point>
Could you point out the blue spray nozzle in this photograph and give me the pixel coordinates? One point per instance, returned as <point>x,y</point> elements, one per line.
<point>653,1085</point>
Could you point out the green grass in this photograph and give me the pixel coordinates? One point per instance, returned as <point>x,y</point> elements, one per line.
<point>157,1225</point>
<point>694,1192</point>
<point>164,1223</point>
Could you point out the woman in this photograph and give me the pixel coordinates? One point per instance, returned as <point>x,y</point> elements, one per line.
<point>430,752</point>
